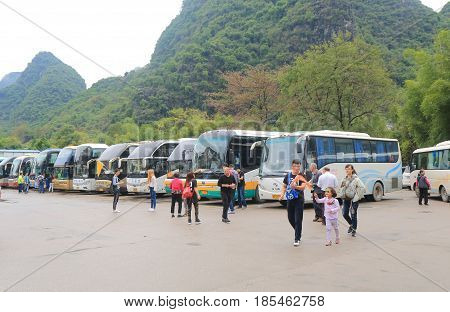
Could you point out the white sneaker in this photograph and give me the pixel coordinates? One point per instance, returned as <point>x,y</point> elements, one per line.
<point>296,243</point>
<point>116,211</point>
<point>151,209</point>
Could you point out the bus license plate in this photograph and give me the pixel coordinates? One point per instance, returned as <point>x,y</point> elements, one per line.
<point>276,197</point>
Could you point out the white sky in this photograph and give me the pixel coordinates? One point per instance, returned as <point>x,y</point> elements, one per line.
<point>119,35</point>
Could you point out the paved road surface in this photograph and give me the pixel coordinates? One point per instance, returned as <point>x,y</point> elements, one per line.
<point>72,242</point>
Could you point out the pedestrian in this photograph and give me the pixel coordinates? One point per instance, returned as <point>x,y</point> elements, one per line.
<point>326,180</point>
<point>235,175</point>
<point>20,182</point>
<point>424,185</point>
<point>41,183</point>
<point>352,191</point>
<point>151,181</point>
<point>241,189</point>
<point>27,183</point>
<point>50,179</point>
<point>331,213</point>
<point>316,190</point>
<point>176,186</point>
<point>293,185</point>
<point>47,181</point>
<point>227,184</point>
<point>116,190</point>
<point>192,196</point>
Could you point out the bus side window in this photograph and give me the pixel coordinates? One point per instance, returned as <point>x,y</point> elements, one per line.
<point>392,151</point>
<point>326,153</point>
<point>379,151</point>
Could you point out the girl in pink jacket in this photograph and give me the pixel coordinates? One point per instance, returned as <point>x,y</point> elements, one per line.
<point>331,213</point>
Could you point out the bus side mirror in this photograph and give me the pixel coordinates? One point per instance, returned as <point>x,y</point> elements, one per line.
<point>299,148</point>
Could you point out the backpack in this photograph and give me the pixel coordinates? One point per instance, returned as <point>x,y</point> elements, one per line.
<point>349,192</point>
<point>187,191</point>
<point>290,192</point>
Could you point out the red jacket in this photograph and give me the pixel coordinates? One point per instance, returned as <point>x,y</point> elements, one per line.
<point>176,186</point>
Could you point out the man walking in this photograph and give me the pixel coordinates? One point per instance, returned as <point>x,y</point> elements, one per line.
<point>293,186</point>
<point>235,175</point>
<point>227,184</point>
<point>241,189</point>
<point>20,183</point>
<point>318,208</point>
<point>116,190</point>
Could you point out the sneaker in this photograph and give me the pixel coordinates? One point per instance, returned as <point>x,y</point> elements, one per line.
<point>189,221</point>
<point>173,216</point>
<point>296,243</point>
<point>198,221</point>
<point>315,219</point>
<point>231,212</point>
<point>328,244</point>
<point>353,233</point>
<point>179,216</point>
<point>350,229</point>
<point>151,209</point>
<point>319,219</point>
<point>226,220</point>
<point>426,204</point>
<point>116,211</point>
<point>245,207</point>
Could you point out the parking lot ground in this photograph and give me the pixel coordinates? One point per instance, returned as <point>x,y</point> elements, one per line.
<point>73,242</point>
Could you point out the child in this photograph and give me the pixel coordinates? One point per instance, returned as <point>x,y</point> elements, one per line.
<point>331,213</point>
<point>176,186</point>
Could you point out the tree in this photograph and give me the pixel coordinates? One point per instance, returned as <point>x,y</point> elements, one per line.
<point>426,113</point>
<point>340,85</point>
<point>252,94</point>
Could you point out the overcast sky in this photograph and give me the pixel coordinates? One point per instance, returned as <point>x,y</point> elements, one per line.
<point>118,35</point>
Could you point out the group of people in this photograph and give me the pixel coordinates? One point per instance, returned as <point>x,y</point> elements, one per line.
<point>42,182</point>
<point>323,186</point>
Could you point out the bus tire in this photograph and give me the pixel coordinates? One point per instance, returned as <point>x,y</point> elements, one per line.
<point>257,199</point>
<point>378,191</point>
<point>444,194</point>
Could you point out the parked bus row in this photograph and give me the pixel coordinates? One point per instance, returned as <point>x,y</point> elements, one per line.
<point>264,157</point>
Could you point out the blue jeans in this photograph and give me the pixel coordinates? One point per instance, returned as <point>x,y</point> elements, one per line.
<point>152,198</point>
<point>351,216</point>
<point>295,216</point>
<point>41,187</point>
<point>241,196</point>
<point>20,188</point>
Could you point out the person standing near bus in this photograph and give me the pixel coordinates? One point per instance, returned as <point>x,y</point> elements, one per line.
<point>227,184</point>
<point>20,183</point>
<point>41,182</point>
<point>423,184</point>
<point>316,190</point>
<point>51,178</point>
<point>241,189</point>
<point>176,186</point>
<point>235,175</point>
<point>192,197</point>
<point>151,181</point>
<point>27,183</point>
<point>352,191</point>
<point>293,186</point>
<point>116,190</point>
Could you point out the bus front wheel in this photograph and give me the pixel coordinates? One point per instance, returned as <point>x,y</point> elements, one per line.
<point>257,199</point>
<point>378,192</point>
<point>444,194</point>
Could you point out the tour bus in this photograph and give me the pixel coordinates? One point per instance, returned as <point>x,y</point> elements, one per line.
<point>377,161</point>
<point>114,157</point>
<point>44,163</point>
<point>4,153</point>
<point>180,161</point>
<point>64,169</point>
<point>22,164</point>
<point>436,163</point>
<point>236,147</point>
<point>149,155</point>
<point>5,169</point>
<point>85,166</point>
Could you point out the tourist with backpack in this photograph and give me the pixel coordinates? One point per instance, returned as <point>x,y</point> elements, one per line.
<point>351,192</point>
<point>293,186</point>
<point>176,186</point>
<point>151,181</point>
<point>424,185</point>
<point>192,196</point>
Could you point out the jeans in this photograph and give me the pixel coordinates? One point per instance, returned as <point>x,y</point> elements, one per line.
<point>116,191</point>
<point>233,193</point>
<point>41,187</point>
<point>152,198</point>
<point>423,194</point>
<point>176,198</point>
<point>20,187</point>
<point>318,208</point>
<point>295,216</point>
<point>227,197</point>
<point>27,188</point>
<point>192,201</point>
<point>350,213</point>
<point>241,196</point>
<point>332,224</point>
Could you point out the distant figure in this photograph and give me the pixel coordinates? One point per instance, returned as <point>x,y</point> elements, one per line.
<point>116,190</point>
<point>176,186</point>
<point>227,184</point>
<point>192,196</point>
<point>20,183</point>
<point>27,183</point>
<point>241,189</point>
<point>41,183</point>
<point>235,175</point>
<point>424,185</point>
<point>331,213</point>
<point>151,181</point>
<point>47,181</point>
<point>293,185</point>
<point>316,190</point>
<point>50,179</point>
<point>352,191</point>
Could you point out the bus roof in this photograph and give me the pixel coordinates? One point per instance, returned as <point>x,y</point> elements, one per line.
<point>440,146</point>
<point>245,133</point>
<point>147,149</point>
<point>345,134</point>
<point>115,151</point>
<point>185,145</point>
<point>7,160</point>
<point>94,145</point>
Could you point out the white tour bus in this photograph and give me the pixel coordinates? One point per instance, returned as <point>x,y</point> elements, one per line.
<point>85,166</point>
<point>149,155</point>
<point>377,161</point>
<point>436,163</point>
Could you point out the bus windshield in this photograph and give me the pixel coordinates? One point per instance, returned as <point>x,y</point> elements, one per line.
<point>211,152</point>
<point>137,168</point>
<point>278,155</point>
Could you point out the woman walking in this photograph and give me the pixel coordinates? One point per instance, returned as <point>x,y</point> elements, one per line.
<point>151,180</point>
<point>351,192</point>
<point>192,196</point>
<point>176,186</point>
